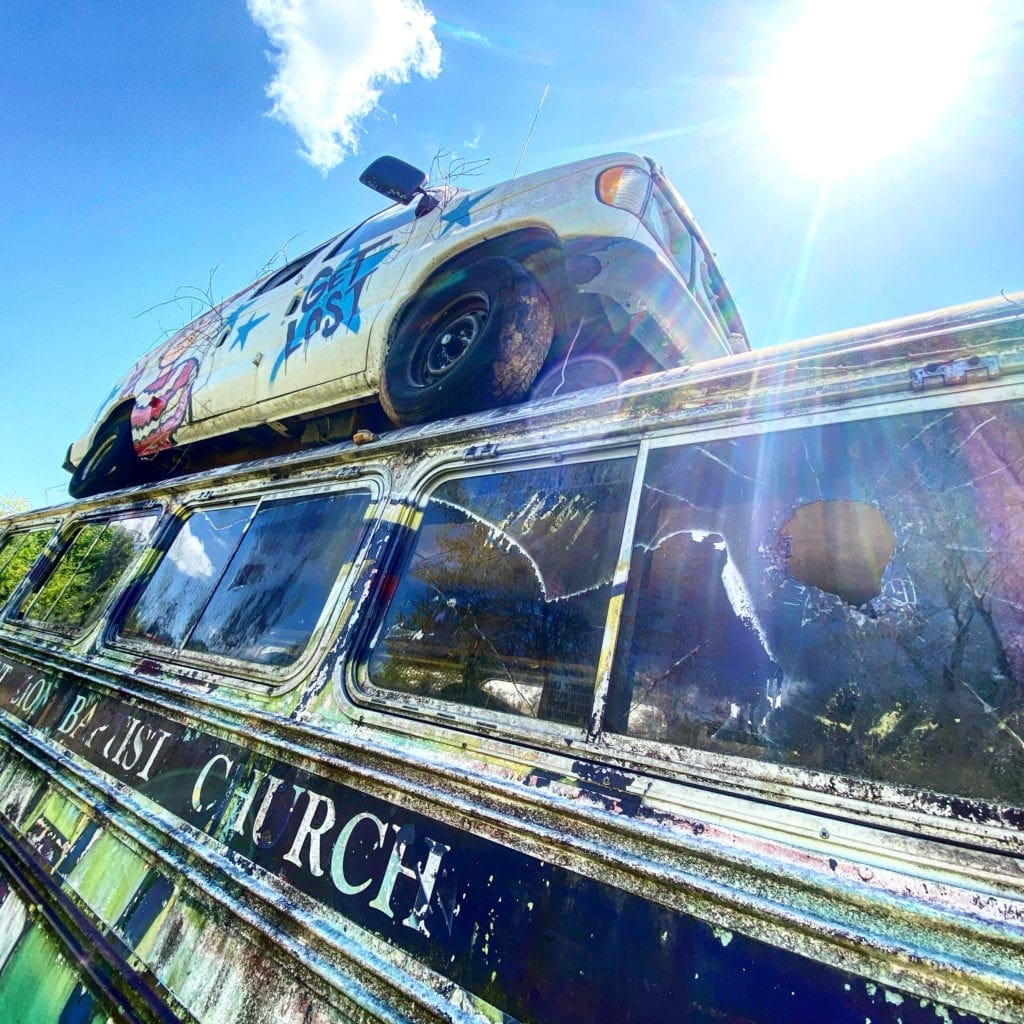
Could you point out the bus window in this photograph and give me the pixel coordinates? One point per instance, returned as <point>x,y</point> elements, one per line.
<point>846,598</point>
<point>85,574</point>
<point>17,553</point>
<point>250,582</point>
<point>503,599</point>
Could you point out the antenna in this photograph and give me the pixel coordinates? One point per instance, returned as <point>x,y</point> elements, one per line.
<point>529,134</point>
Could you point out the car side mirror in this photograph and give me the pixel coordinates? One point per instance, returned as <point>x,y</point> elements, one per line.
<point>394,178</point>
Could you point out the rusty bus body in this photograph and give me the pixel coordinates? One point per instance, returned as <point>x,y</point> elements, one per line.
<point>698,697</point>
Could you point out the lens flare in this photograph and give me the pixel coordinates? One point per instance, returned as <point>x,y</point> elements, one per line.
<point>855,82</point>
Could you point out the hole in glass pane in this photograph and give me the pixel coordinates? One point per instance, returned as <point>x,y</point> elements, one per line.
<point>841,547</point>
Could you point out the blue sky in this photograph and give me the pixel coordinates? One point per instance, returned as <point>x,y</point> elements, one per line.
<point>139,158</point>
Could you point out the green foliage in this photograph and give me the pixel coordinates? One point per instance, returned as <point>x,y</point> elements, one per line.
<point>17,552</point>
<point>83,577</point>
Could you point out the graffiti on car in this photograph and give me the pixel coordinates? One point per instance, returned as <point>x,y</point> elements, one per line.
<point>161,403</point>
<point>241,333</point>
<point>332,300</point>
<point>459,214</point>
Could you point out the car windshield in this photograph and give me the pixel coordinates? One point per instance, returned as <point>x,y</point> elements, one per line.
<point>672,232</point>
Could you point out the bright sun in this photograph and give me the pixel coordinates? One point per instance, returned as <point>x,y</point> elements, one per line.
<point>855,82</point>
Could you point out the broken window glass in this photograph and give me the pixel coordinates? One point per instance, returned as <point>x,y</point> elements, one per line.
<point>17,553</point>
<point>86,573</point>
<point>250,582</point>
<point>848,598</point>
<point>503,599</point>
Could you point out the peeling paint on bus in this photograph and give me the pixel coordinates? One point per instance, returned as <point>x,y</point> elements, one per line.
<point>245,842</point>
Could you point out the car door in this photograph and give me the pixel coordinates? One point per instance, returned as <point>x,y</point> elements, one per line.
<point>298,341</point>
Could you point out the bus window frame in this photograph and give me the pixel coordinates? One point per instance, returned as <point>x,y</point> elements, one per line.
<point>353,683</point>
<point>58,547</point>
<point>207,668</point>
<point>17,595</point>
<point>875,804</point>
<point>799,789</point>
<point>879,803</point>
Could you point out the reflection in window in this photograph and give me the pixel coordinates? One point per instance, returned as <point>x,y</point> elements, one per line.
<point>86,573</point>
<point>502,603</point>
<point>17,553</point>
<point>251,581</point>
<point>846,598</point>
<point>174,598</point>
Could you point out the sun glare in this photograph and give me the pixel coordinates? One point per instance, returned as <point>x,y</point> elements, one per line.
<point>856,82</point>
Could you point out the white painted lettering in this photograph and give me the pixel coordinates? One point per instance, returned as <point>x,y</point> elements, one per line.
<point>428,879</point>
<point>306,829</point>
<point>138,746</point>
<point>35,693</point>
<point>341,883</point>
<point>84,723</point>
<point>19,695</point>
<point>144,774</point>
<point>395,868</point>
<point>261,814</point>
<point>70,720</point>
<point>135,723</point>
<point>250,796</point>
<point>425,877</point>
<point>197,789</point>
<point>114,736</point>
<point>95,733</point>
<point>42,695</point>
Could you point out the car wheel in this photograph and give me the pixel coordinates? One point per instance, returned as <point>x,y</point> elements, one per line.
<point>110,463</point>
<point>473,340</point>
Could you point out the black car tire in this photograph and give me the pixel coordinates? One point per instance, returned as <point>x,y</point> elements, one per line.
<point>109,464</point>
<point>475,339</point>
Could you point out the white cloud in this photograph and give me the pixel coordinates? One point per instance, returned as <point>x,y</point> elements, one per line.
<point>333,59</point>
<point>189,556</point>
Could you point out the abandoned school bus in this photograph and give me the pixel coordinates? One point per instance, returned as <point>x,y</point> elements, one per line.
<point>692,698</point>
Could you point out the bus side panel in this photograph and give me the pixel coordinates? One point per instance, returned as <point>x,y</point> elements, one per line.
<point>525,935</point>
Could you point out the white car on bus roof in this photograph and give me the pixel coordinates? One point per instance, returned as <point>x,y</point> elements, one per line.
<point>448,302</point>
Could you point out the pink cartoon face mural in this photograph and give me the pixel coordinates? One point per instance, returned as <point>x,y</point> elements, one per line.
<point>160,404</point>
<point>161,383</point>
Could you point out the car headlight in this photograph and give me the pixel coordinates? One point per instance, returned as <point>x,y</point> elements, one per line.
<point>627,188</point>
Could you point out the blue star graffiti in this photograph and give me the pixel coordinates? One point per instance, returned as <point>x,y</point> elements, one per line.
<point>332,299</point>
<point>461,212</point>
<point>242,332</point>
